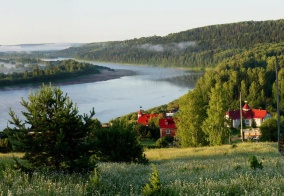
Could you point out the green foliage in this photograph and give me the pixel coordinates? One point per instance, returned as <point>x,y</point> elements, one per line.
<point>215,124</point>
<point>53,135</point>
<point>5,145</point>
<point>141,130</point>
<point>161,143</point>
<point>52,71</point>
<point>169,139</point>
<point>269,130</point>
<point>200,47</point>
<point>234,146</point>
<point>164,141</point>
<point>253,72</point>
<point>119,143</point>
<point>192,113</point>
<point>95,184</point>
<point>254,163</point>
<point>154,128</point>
<point>154,186</point>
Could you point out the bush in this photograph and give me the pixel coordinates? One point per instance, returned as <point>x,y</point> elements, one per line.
<point>254,164</point>
<point>141,130</point>
<point>95,184</point>
<point>234,145</point>
<point>169,139</point>
<point>269,130</point>
<point>162,143</point>
<point>119,143</point>
<point>5,145</point>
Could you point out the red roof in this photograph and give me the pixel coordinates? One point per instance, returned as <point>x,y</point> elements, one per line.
<point>144,119</point>
<point>246,107</point>
<point>167,123</point>
<point>247,113</point>
<point>259,113</point>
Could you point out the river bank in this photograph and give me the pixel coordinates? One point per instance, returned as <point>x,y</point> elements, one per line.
<point>104,75</point>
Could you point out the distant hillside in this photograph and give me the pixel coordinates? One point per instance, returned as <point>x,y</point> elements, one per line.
<point>200,47</point>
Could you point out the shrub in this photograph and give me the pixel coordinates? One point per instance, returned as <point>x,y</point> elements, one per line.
<point>162,143</point>
<point>154,186</point>
<point>119,143</point>
<point>5,145</point>
<point>269,130</point>
<point>234,145</point>
<point>169,139</point>
<point>254,164</point>
<point>141,130</point>
<point>95,184</point>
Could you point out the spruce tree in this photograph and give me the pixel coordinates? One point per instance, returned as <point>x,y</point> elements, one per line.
<point>53,135</point>
<point>154,186</point>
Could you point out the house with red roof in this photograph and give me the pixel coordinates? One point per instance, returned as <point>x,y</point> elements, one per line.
<point>145,118</point>
<point>167,124</point>
<point>167,127</point>
<point>249,115</point>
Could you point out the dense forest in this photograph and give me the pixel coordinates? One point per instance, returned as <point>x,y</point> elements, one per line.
<point>196,48</point>
<point>252,72</point>
<point>27,71</point>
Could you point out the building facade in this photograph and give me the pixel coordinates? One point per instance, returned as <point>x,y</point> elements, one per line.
<point>167,127</point>
<point>250,116</point>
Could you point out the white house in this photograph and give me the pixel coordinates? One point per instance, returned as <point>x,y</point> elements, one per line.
<point>249,115</point>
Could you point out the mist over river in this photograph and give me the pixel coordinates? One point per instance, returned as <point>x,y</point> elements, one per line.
<point>149,87</point>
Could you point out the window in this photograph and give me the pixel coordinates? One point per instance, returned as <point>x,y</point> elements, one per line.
<point>168,131</point>
<point>247,122</point>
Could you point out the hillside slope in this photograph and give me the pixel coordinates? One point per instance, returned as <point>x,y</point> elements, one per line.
<point>200,47</point>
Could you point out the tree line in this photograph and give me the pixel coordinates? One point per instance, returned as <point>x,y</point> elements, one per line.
<point>200,47</point>
<point>51,71</point>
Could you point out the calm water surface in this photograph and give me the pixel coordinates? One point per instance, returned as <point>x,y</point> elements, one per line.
<point>149,87</point>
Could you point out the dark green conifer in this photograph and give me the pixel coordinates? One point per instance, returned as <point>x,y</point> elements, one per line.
<point>53,135</point>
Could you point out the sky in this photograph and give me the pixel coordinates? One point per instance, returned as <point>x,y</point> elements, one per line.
<point>87,21</point>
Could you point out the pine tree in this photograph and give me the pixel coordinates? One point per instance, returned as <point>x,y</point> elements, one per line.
<point>154,187</point>
<point>53,135</point>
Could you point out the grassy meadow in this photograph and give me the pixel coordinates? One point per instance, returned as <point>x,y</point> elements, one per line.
<point>222,170</point>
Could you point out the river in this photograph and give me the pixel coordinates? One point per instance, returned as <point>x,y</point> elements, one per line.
<point>149,87</point>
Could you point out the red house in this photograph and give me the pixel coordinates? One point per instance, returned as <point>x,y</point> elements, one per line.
<point>167,127</point>
<point>145,118</point>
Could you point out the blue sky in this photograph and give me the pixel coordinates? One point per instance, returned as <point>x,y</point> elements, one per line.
<point>85,21</point>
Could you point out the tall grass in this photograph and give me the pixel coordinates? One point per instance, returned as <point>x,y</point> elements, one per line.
<point>223,170</point>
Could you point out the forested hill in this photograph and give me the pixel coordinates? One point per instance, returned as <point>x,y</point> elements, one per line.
<point>200,47</point>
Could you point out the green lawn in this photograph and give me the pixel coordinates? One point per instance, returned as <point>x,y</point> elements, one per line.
<point>222,170</point>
